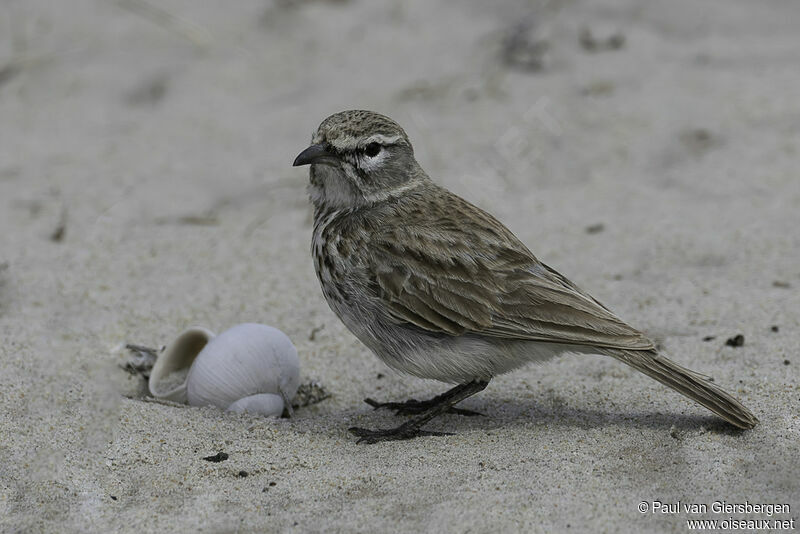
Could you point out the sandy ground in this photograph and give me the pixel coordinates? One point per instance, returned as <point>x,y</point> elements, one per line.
<point>146,185</point>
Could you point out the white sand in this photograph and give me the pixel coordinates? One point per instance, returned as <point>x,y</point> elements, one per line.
<point>167,152</point>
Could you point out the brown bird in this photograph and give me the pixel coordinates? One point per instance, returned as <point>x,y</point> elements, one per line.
<point>438,288</point>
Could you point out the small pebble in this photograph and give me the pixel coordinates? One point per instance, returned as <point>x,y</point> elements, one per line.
<point>243,474</point>
<point>380,375</point>
<point>786,362</point>
<point>735,341</point>
<point>781,284</point>
<point>310,393</point>
<point>113,497</point>
<point>709,338</point>
<point>775,328</point>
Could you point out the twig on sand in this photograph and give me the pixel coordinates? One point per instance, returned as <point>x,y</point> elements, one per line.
<point>315,331</point>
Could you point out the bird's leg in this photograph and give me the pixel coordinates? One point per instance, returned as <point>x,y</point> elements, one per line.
<point>414,407</point>
<point>413,427</point>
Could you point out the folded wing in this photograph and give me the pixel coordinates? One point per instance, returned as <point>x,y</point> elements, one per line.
<point>462,272</point>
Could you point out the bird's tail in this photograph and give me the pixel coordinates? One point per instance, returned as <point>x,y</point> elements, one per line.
<point>694,385</point>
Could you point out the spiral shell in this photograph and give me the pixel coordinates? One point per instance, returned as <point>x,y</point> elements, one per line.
<point>250,367</point>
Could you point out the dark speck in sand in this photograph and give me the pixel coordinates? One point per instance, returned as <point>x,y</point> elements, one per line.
<point>216,458</point>
<point>522,50</point>
<point>591,43</point>
<point>735,341</point>
<point>595,228</point>
<point>57,235</point>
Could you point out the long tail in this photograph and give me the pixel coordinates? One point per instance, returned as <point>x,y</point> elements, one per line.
<point>689,383</point>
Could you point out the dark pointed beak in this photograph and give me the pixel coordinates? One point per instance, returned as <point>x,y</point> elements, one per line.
<point>313,154</point>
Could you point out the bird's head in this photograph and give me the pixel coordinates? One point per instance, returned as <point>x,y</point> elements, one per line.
<point>357,158</point>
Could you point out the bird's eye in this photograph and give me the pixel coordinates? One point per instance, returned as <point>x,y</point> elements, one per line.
<point>372,149</point>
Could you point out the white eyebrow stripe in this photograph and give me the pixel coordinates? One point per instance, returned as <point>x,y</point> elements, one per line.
<point>382,139</point>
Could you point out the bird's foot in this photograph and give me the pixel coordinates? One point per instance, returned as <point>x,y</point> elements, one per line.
<point>402,432</point>
<point>413,407</point>
<point>425,411</point>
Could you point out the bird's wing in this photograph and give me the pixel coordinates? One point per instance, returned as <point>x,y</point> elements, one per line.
<point>459,271</point>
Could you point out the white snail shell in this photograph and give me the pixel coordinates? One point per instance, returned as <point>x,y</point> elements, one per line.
<point>250,367</point>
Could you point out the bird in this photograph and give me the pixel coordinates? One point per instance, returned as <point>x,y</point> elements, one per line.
<point>440,289</point>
